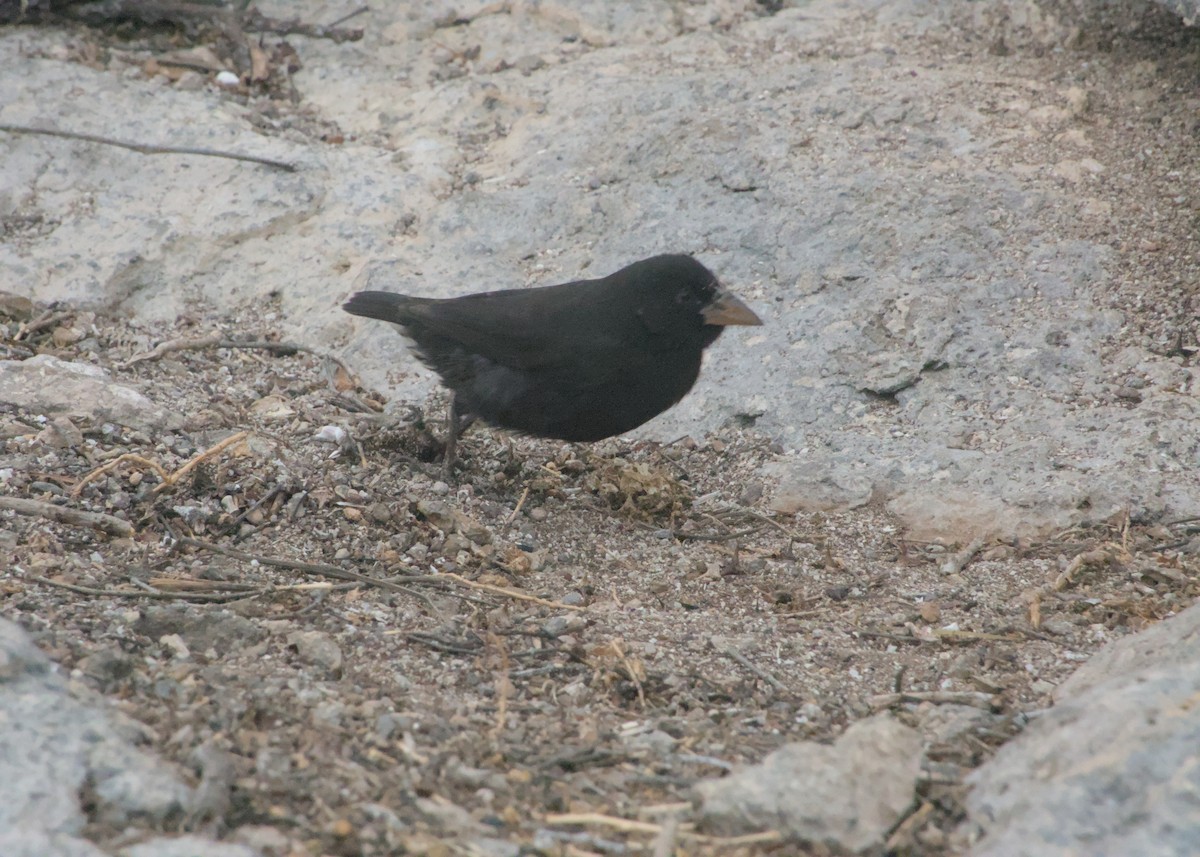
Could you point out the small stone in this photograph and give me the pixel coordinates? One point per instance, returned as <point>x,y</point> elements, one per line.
<point>454,543</point>
<point>530,63</point>
<point>751,494</point>
<point>330,434</point>
<point>175,643</point>
<point>318,648</point>
<point>379,512</point>
<point>61,433</point>
<point>473,530</point>
<point>437,513</point>
<point>272,407</point>
<point>1058,627</point>
<point>330,712</point>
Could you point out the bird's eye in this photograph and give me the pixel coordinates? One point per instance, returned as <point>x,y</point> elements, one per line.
<point>682,297</point>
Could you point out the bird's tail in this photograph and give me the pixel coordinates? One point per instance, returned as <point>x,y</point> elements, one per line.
<point>385,306</point>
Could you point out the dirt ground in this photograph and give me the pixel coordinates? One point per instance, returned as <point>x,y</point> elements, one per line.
<point>394,662</point>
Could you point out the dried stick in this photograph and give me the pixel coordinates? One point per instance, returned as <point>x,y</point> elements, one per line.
<point>666,840</point>
<point>65,515</point>
<point>292,565</point>
<point>210,597</point>
<point>218,340</point>
<point>199,458</point>
<point>49,318</point>
<point>959,561</point>
<point>147,148</point>
<point>626,825</point>
<point>255,20</point>
<point>508,593</point>
<point>974,698</point>
<point>738,658</point>
<point>512,516</point>
<point>112,465</point>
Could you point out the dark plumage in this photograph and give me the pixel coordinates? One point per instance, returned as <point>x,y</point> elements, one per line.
<point>579,361</point>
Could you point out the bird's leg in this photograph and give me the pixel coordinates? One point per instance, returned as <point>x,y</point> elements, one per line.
<point>452,419</point>
<point>456,423</point>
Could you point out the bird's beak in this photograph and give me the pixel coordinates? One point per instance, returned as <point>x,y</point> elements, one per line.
<point>727,308</point>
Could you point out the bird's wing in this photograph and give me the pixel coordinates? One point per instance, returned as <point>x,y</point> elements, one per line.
<point>530,330</point>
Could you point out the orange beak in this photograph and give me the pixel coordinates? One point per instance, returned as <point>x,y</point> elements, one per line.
<point>727,308</point>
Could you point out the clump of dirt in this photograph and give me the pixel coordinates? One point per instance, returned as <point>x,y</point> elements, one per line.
<point>639,490</point>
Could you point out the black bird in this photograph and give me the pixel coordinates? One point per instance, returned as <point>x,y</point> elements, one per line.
<point>580,361</point>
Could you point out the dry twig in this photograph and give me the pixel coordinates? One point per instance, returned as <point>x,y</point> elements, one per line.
<point>974,698</point>
<point>149,149</point>
<point>508,593</point>
<point>210,597</point>
<point>686,831</point>
<point>198,459</point>
<point>112,465</point>
<point>64,515</point>
<point>959,561</point>
<point>723,648</point>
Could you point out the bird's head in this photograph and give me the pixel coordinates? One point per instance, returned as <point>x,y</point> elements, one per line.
<point>682,299</point>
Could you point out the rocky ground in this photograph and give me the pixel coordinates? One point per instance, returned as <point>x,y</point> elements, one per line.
<point>221,509</point>
<point>391,660</point>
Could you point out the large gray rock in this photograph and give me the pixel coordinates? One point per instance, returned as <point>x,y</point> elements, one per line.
<point>56,751</point>
<point>846,795</point>
<point>47,386</point>
<point>1111,769</point>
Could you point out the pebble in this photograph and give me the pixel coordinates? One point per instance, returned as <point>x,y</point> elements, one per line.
<point>418,551</point>
<point>329,713</point>
<point>331,434</point>
<point>317,648</point>
<point>437,513</point>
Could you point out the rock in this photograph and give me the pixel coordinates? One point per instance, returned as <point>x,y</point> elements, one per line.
<point>848,795</point>
<point>25,842</point>
<point>16,307</point>
<point>317,647</point>
<point>1110,770</point>
<point>819,488</point>
<point>57,752</point>
<point>51,387</point>
<point>60,434</point>
<point>219,629</point>
<point>1188,10</point>
<point>450,520</point>
<point>187,846</point>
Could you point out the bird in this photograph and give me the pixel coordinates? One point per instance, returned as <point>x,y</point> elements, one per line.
<point>580,361</point>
